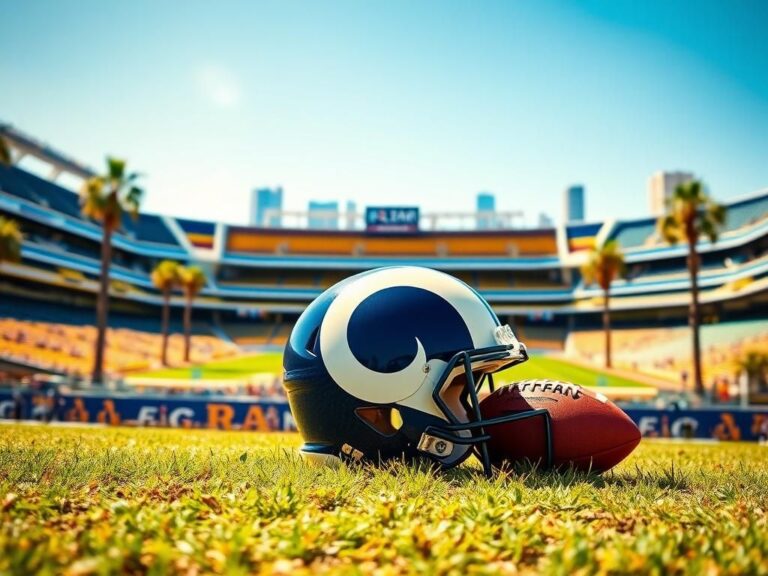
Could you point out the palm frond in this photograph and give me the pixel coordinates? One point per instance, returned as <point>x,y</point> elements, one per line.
<point>5,152</point>
<point>10,240</point>
<point>115,169</point>
<point>691,209</point>
<point>669,228</point>
<point>132,200</point>
<point>709,229</point>
<point>192,280</point>
<point>105,198</point>
<point>604,264</point>
<point>92,198</point>
<point>716,212</point>
<point>165,276</point>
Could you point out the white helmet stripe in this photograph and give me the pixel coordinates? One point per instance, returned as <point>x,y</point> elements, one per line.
<point>384,388</point>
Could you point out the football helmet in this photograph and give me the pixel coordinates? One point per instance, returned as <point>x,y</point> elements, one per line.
<point>388,364</point>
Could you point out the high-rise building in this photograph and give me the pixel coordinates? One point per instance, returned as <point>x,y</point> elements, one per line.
<point>574,203</point>
<point>323,215</point>
<point>351,215</point>
<point>264,203</point>
<point>661,186</point>
<point>486,211</point>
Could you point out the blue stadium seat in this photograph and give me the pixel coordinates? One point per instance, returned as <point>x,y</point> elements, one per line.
<point>634,234</point>
<point>35,189</point>
<point>745,213</point>
<point>147,228</point>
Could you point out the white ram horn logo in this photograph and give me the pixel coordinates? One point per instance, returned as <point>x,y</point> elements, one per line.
<point>382,388</point>
<point>345,369</point>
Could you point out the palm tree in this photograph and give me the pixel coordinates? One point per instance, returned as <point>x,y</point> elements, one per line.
<point>10,240</point>
<point>165,277</point>
<point>105,198</point>
<point>192,280</point>
<point>691,214</point>
<point>755,365</point>
<point>605,264</point>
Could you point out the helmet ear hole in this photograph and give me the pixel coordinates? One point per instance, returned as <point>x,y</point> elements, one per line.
<point>385,420</point>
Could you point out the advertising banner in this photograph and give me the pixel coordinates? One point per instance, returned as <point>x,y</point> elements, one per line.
<point>391,219</point>
<point>228,413</point>
<point>222,412</point>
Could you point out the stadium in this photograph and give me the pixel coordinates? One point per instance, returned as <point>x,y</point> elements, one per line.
<point>258,281</point>
<point>399,385</point>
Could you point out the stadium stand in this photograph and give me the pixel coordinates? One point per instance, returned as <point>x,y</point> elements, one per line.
<point>251,334</point>
<point>261,279</point>
<point>145,227</point>
<point>666,352</point>
<point>635,234</point>
<point>39,191</point>
<point>487,244</point>
<point>746,213</point>
<point>67,349</point>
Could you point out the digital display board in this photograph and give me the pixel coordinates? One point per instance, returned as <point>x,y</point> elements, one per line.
<point>391,219</point>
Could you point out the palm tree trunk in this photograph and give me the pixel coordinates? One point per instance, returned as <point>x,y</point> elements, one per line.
<point>102,306</point>
<point>187,328</point>
<point>693,311</point>
<point>166,318</point>
<point>607,327</point>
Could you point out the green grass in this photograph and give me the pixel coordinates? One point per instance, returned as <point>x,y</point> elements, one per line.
<point>237,368</point>
<point>84,501</point>
<point>536,367</point>
<point>556,369</point>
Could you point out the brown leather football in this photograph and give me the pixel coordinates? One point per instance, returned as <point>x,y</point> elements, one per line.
<point>588,431</point>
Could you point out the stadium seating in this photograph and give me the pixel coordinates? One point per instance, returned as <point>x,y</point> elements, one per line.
<point>635,234</point>
<point>39,191</point>
<point>68,348</point>
<point>509,243</point>
<point>250,334</point>
<point>642,233</point>
<point>263,278</point>
<point>666,352</point>
<point>746,213</point>
<point>146,227</point>
<point>541,338</point>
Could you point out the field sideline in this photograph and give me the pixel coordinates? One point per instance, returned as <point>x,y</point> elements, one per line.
<point>271,362</point>
<point>88,501</point>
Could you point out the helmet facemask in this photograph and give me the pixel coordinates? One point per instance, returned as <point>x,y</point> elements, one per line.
<point>456,394</point>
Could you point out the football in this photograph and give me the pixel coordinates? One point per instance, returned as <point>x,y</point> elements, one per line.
<point>587,431</point>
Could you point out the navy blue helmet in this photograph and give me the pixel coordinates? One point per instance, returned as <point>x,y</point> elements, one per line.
<point>388,364</point>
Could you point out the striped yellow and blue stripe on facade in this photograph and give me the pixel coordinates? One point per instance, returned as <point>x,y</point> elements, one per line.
<point>199,234</point>
<point>582,236</point>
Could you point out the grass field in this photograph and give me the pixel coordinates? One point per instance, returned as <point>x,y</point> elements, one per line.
<point>237,368</point>
<point>89,501</point>
<point>536,367</point>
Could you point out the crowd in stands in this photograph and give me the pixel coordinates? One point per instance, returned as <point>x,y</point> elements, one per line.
<point>263,389</point>
<point>68,349</point>
<point>665,353</point>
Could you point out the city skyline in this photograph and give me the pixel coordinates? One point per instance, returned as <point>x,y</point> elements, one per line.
<point>427,103</point>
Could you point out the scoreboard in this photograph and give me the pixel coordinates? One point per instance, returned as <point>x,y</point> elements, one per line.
<point>391,219</point>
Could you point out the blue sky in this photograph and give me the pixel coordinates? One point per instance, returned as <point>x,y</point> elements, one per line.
<point>395,102</point>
